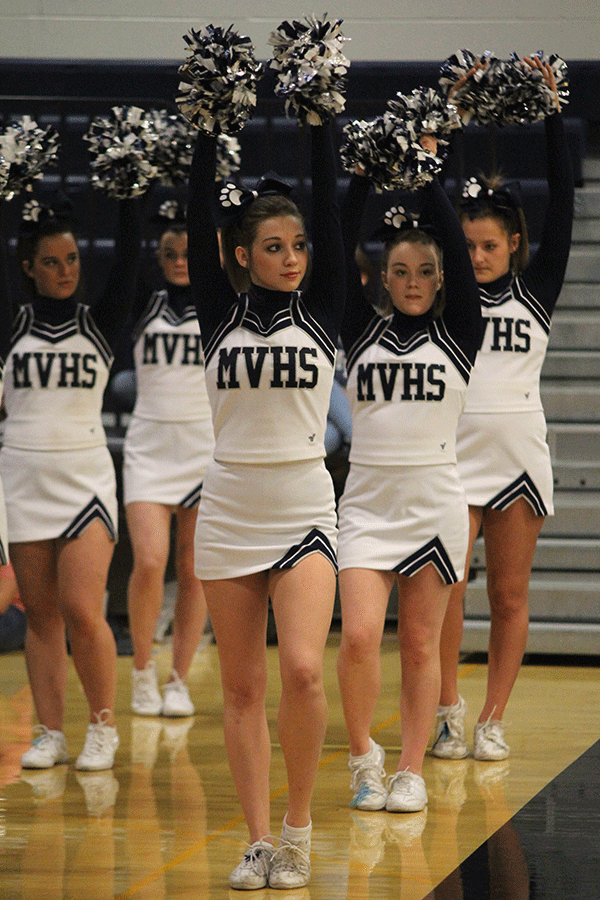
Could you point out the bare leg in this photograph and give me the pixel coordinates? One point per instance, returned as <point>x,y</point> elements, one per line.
<point>364,595</point>
<point>190,607</point>
<point>149,530</point>
<point>238,610</point>
<point>510,538</point>
<point>45,641</point>
<point>422,601</point>
<point>82,566</point>
<point>302,600</point>
<point>452,629</point>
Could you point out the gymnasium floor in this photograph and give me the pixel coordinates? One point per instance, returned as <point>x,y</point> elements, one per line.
<point>165,822</point>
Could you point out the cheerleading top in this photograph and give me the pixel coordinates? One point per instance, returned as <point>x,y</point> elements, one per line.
<point>517,309</point>
<point>269,355</point>
<point>408,375</point>
<point>169,363</point>
<point>60,356</point>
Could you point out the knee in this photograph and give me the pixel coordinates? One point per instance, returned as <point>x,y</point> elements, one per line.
<point>507,598</point>
<point>359,644</point>
<point>302,676</point>
<point>240,694</point>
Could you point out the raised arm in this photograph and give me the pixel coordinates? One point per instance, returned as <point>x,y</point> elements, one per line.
<point>112,309</point>
<point>328,276</point>
<point>213,294</point>
<point>546,272</point>
<point>462,313</point>
<point>6,313</point>
<point>359,311</point>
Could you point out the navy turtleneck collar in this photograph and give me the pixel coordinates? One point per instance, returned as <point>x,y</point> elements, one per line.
<point>52,311</point>
<point>266,302</point>
<point>408,325</point>
<point>499,285</point>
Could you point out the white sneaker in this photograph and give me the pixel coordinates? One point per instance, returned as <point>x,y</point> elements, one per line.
<point>253,871</point>
<point>449,735</point>
<point>145,696</point>
<point>177,700</point>
<point>290,864</point>
<point>370,792</point>
<point>100,790</point>
<point>489,740</point>
<point>101,742</point>
<point>48,749</point>
<point>407,792</point>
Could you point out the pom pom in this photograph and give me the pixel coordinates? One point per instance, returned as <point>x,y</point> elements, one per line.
<point>172,153</point>
<point>217,92</point>
<point>122,146</point>
<point>26,150</point>
<point>311,68</point>
<point>388,150</point>
<point>504,92</point>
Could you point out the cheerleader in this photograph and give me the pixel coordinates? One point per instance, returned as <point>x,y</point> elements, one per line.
<point>59,478</point>
<point>403,513</point>
<point>168,444</point>
<point>503,457</point>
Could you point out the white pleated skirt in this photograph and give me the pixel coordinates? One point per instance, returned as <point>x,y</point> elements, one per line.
<point>400,518</point>
<point>253,518</point>
<point>165,462</point>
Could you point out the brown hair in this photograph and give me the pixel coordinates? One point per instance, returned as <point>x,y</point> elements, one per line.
<point>412,236</point>
<point>242,232</point>
<point>509,216</point>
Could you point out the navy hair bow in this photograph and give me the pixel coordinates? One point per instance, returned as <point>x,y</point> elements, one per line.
<point>397,219</point>
<point>476,194</point>
<point>234,199</point>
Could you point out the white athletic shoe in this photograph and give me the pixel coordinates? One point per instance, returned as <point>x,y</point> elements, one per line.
<point>407,792</point>
<point>368,773</point>
<point>489,740</point>
<point>290,864</point>
<point>253,871</point>
<point>177,700</point>
<point>145,696</point>
<point>48,749</point>
<point>449,735</point>
<point>101,742</point>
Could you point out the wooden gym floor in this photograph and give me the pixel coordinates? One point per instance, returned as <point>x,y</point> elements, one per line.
<point>165,823</point>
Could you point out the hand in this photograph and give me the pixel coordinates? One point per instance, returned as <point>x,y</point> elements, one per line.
<point>548,75</point>
<point>429,142</point>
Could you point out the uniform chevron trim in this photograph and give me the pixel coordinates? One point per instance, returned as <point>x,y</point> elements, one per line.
<point>432,552</point>
<point>193,498</point>
<point>314,542</point>
<point>522,486</point>
<point>94,510</point>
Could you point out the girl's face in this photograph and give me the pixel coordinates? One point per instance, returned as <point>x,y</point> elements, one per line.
<point>413,277</point>
<point>278,257</point>
<point>490,247</point>
<point>172,258</point>
<point>55,268</point>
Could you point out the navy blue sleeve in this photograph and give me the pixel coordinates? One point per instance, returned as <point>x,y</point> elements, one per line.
<point>211,289</point>
<point>112,310</point>
<point>327,287</point>
<point>6,312</point>
<point>462,312</point>
<point>545,274</point>
<point>359,311</point>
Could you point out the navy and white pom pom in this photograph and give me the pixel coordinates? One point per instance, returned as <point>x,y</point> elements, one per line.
<point>373,147</point>
<point>523,94</point>
<point>477,97</point>
<point>26,151</point>
<point>122,146</point>
<point>311,68</point>
<point>174,147</point>
<point>217,92</point>
<point>425,111</point>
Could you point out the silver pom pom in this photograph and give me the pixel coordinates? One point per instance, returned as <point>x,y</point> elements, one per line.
<point>228,156</point>
<point>122,146</point>
<point>27,151</point>
<point>217,92</point>
<point>311,67</point>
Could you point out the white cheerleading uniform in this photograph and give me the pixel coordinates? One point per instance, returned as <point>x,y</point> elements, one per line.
<point>169,440</point>
<point>57,471</point>
<point>403,505</point>
<point>501,437</point>
<point>267,500</point>
<point>55,465</point>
